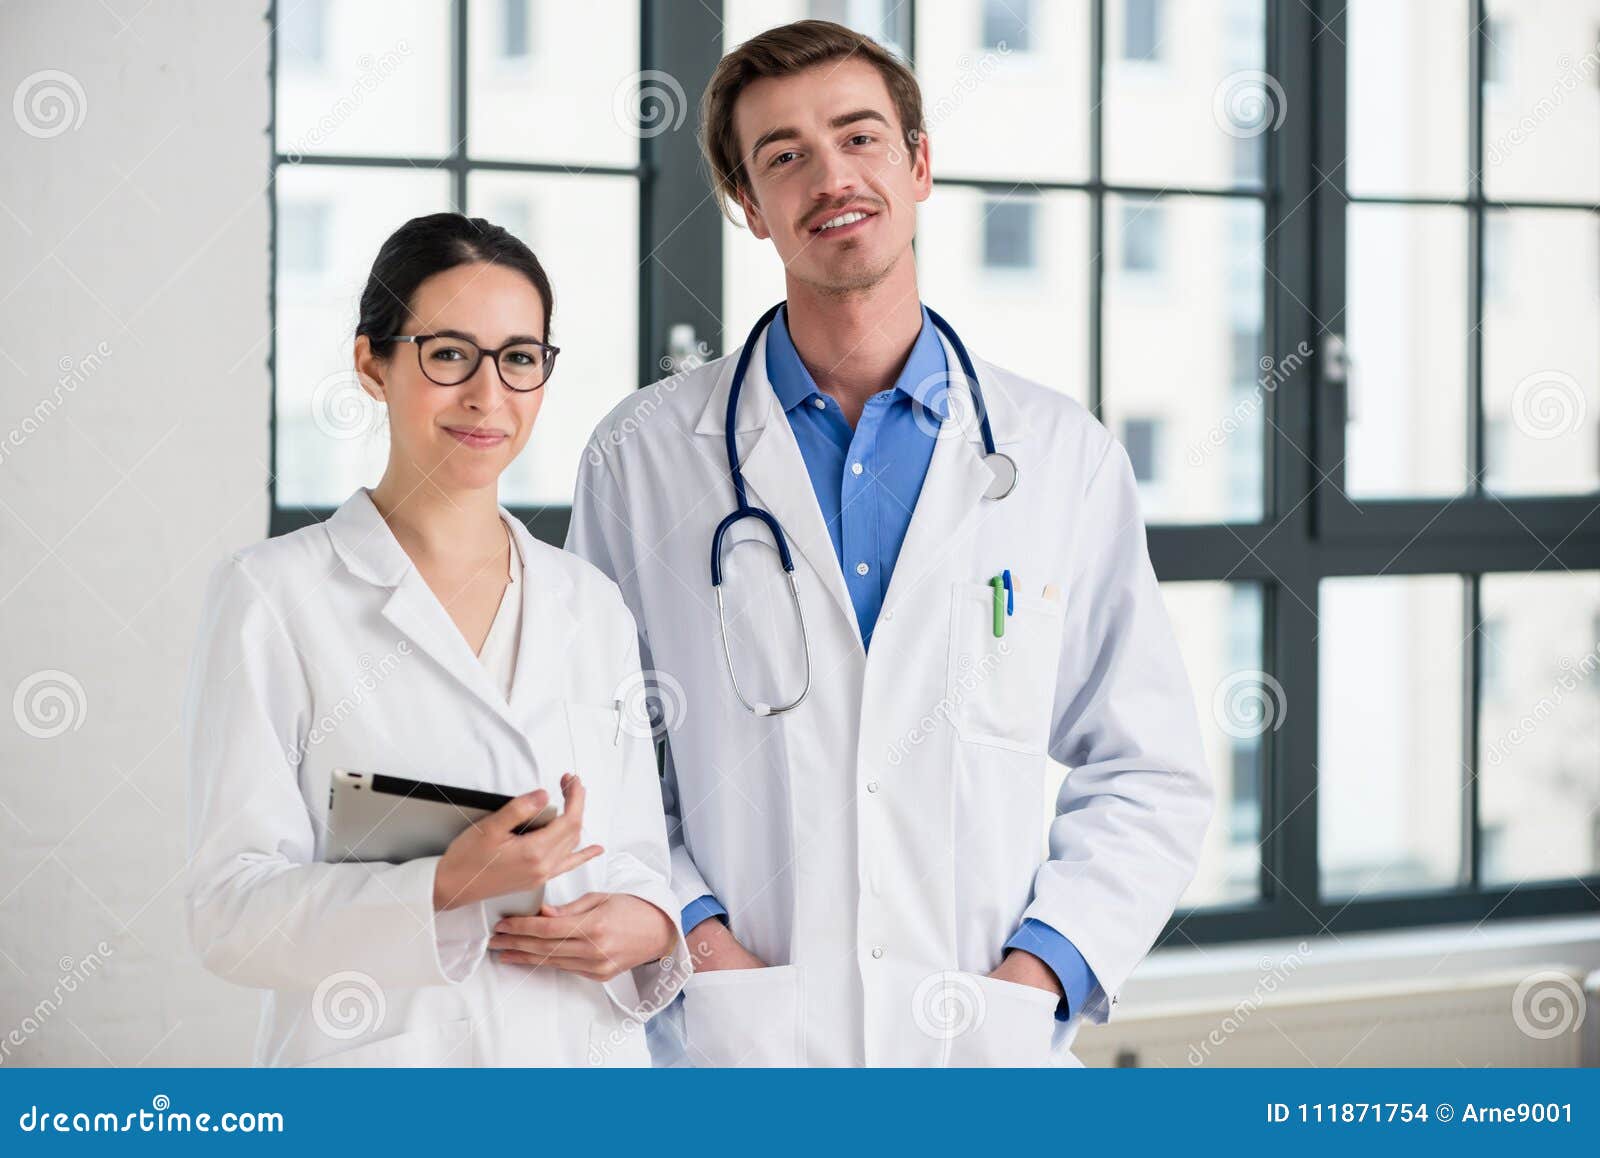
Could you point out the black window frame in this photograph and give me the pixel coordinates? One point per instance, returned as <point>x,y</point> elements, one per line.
<point>1309,531</point>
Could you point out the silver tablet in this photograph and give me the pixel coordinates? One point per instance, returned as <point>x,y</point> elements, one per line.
<point>373,817</point>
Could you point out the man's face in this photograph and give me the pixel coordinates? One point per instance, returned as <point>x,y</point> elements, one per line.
<point>826,144</point>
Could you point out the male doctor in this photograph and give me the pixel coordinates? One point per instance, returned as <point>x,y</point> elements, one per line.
<point>873,877</point>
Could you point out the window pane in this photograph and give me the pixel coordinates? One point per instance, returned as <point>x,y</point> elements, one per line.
<point>1541,100</point>
<point>1017,293</point>
<point>359,79</point>
<point>886,21</point>
<point>1187,100</point>
<point>544,87</point>
<point>1539,731</point>
<point>1018,113</point>
<point>1406,319</point>
<point>1407,89</point>
<point>1218,626</point>
<point>331,221</point>
<point>1390,779</point>
<point>1188,269</point>
<point>596,321</point>
<point>1541,363</point>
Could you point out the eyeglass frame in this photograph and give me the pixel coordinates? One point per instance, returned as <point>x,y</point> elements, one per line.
<point>416,340</point>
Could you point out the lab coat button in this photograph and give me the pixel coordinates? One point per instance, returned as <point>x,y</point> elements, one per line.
<point>872,785</point>
<point>877,950</point>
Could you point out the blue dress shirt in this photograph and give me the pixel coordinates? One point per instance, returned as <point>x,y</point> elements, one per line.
<point>867,480</point>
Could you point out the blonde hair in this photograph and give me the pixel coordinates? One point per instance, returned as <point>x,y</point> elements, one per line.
<point>784,51</point>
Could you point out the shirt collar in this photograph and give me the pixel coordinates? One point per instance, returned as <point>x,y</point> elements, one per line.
<point>923,378</point>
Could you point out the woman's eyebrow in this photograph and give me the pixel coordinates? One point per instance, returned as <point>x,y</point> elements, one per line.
<point>513,340</point>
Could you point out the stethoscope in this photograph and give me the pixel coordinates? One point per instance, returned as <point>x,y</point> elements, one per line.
<point>1003,467</point>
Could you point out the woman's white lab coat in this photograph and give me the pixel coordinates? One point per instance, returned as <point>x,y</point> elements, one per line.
<point>325,648</point>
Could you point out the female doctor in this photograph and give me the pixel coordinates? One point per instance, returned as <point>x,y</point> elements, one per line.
<point>423,632</point>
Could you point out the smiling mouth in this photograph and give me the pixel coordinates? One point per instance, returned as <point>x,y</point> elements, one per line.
<point>477,438</point>
<point>841,222</point>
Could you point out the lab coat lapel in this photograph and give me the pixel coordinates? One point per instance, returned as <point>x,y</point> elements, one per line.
<point>952,490</point>
<point>371,552</point>
<point>775,473</point>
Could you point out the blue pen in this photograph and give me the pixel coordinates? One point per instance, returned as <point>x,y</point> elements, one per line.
<point>1005,577</point>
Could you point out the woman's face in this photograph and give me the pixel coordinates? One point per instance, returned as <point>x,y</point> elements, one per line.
<point>492,306</point>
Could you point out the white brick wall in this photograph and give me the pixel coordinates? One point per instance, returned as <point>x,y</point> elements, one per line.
<point>133,262</point>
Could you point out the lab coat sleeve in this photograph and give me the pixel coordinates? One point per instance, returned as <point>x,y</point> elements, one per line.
<point>599,532</point>
<point>1132,812</point>
<point>638,862</point>
<point>262,911</point>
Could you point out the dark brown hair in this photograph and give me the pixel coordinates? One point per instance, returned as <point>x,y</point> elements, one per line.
<point>784,51</point>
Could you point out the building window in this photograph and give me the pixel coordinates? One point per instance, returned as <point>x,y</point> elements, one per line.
<point>1141,30</point>
<point>1143,235</point>
<point>1008,233</point>
<point>514,32</point>
<point>1141,437</point>
<point>1006,24</point>
<point>303,237</point>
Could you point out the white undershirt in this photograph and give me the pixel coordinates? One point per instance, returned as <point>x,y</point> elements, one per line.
<point>499,651</point>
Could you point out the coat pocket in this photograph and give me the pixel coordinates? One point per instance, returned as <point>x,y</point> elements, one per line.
<point>1001,689</point>
<point>745,1017</point>
<point>1011,1025</point>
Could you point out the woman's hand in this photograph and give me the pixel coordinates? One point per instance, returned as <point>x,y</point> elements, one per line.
<point>489,859</point>
<point>597,936</point>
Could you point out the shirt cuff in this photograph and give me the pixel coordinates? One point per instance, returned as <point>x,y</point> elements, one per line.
<point>701,908</point>
<point>1061,955</point>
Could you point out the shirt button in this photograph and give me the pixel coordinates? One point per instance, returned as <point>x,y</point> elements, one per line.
<point>877,950</point>
<point>872,785</point>
<point>855,468</point>
<point>819,403</point>
<point>862,568</point>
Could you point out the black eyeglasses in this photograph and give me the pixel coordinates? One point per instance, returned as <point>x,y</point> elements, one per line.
<point>449,360</point>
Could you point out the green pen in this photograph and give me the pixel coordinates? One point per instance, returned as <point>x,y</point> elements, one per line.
<point>999,586</point>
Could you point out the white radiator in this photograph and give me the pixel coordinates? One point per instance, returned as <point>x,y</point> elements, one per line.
<point>1523,1017</point>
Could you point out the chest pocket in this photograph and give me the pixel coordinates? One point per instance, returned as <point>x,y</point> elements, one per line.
<point>1001,690</point>
<point>597,737</point>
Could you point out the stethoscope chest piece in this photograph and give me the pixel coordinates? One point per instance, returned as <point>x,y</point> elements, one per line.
<point>1004,468</point>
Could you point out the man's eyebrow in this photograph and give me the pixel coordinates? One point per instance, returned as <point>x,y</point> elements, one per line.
<point>789,133</point>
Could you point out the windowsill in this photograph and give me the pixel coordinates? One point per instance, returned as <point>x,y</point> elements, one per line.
<point>1188,975</point>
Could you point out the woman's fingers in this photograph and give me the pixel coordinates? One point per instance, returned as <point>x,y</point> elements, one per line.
<point>518,810</point>
<point>582,905</point>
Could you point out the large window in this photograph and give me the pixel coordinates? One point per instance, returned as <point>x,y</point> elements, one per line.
<point>1330,270</point>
